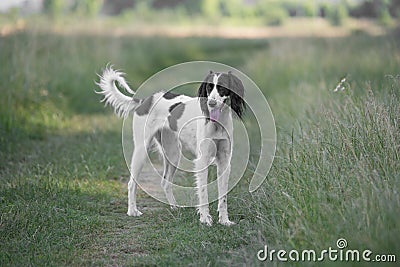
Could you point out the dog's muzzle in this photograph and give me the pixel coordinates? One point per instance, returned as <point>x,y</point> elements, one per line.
<point>212,103</point>
<point>215,111</point>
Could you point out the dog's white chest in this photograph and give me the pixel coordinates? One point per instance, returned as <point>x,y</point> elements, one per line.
<point>215,130</point>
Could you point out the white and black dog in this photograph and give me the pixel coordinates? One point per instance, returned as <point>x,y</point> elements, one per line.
<point>202,124</point>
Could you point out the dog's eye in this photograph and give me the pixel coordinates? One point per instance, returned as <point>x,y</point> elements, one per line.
<point>222,90</point>
<point>209,87</point>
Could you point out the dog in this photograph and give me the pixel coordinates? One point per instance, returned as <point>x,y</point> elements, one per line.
<point>202,124</point>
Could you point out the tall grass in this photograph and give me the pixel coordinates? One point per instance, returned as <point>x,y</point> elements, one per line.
<point>337,175</point>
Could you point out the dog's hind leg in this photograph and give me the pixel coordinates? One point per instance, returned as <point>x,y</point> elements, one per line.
<point>171,151</point>
<point>137,162</point>
<point>144,130</point>
<point>166,183</point>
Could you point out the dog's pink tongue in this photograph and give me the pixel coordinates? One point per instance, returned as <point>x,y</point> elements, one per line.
<point>214,114</point>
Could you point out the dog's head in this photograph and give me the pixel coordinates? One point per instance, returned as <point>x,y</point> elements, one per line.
<point>219,90</point>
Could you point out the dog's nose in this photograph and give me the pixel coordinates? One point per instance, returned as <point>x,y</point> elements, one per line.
<point>212,103</point>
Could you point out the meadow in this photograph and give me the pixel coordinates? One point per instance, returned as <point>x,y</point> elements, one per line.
<point>336,172</point>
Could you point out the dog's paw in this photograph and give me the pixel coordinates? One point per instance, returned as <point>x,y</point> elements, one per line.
<point>206,219</point>
<point>226,222</point>
<point>134,213</point>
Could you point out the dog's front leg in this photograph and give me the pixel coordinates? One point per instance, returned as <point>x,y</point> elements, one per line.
<point>202,193</point>
<point>223,171</point>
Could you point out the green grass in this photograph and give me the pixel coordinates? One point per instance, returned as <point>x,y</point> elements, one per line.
<point>63,190</point>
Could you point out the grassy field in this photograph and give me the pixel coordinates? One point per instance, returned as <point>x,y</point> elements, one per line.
<point>63,178</point>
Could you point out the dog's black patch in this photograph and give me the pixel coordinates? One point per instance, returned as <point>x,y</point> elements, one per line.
<point>171,108</point>
<point>176,111</point>
<point>145,106</point>
<point>136,100</point>
<point>169,95</point>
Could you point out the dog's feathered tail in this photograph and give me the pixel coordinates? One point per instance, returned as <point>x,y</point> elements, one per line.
<point>121,103</point>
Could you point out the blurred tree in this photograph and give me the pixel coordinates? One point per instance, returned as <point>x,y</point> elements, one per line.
<point>116,7</point>
<point>89,8</point>
<point>310,8</point>
<point>54,8</point>
<point>337,13</point>
<point>160,4</point>
<point>384,15</point>
<point>273,13</point>
<point>211,8</point>
<point>144,10</point>
<point>231,8</point>
<point>193,7</point>
<point>374,8</point>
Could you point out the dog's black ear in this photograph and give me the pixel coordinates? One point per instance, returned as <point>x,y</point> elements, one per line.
<point>202,95</point>
<point>237,95</point>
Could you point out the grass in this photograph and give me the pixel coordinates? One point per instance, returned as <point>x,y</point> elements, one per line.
<point>63,191</point>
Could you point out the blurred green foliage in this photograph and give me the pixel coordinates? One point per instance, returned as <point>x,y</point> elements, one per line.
<point>53,8</point>
<point>337,14</point>
<point>261,12</point>
<point>87,7</point>
<point>57,8</point>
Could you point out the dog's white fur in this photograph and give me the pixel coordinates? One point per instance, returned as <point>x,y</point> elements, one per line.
<point>186,126</point>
